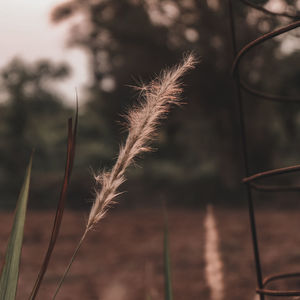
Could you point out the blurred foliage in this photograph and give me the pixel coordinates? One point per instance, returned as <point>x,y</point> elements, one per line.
<point>32,116</point>
<point>127,41</point>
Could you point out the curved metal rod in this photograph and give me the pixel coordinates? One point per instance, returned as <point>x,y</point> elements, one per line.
<point>259,41</point>
<point>279,276</point>
<point>266,96</point>
<point>273,172</point>
<point>269,12</point>
<point>279,293</point>
<point>274,188</point>
<point>273,293</point>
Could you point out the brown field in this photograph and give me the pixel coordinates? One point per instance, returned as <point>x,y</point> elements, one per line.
<point>123,258</point>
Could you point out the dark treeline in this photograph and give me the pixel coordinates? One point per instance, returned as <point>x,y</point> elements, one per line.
<point>198,157</point>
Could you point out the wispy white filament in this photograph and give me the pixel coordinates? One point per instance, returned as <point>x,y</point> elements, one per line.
<point>156,99</point>
<point>213,262</point>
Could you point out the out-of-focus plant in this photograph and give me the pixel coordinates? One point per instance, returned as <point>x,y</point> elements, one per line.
<point>10,269</point>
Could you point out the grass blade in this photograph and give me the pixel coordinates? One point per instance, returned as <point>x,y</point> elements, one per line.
<point>167,263</point>
<point>10,270</point>
<point>60,205</point>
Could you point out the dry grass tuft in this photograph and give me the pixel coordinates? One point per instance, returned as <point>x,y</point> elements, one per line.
<point>156,99</point>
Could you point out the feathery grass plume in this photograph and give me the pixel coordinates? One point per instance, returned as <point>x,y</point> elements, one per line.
<point>156,99</point>
<point>214,265</point>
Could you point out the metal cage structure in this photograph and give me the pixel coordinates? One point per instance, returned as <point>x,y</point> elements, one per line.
<point>252,181</point>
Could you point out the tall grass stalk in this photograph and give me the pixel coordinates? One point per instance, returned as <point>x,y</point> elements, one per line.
<point>213,261</point>
<point>156,99</point>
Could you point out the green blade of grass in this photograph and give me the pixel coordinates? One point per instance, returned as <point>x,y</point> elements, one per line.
<point>10,270</point>
<point>167,264</point>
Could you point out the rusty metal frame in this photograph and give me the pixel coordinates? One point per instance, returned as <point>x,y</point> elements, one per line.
<point>251,180</point>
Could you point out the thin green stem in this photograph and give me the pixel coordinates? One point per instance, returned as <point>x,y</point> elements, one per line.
<point>70,264</point>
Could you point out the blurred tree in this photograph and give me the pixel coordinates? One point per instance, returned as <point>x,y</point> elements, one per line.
<point>33,116</point>
<point>125,38</point>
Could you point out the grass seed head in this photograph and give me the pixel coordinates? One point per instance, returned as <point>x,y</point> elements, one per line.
<point>143,119</point>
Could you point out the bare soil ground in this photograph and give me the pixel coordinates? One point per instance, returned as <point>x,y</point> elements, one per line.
<point>122,259</point>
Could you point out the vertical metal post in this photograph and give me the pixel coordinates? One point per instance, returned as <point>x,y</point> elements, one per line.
<point>240,107</point>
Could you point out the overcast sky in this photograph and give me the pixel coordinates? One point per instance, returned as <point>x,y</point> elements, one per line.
<point>26,32</point>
